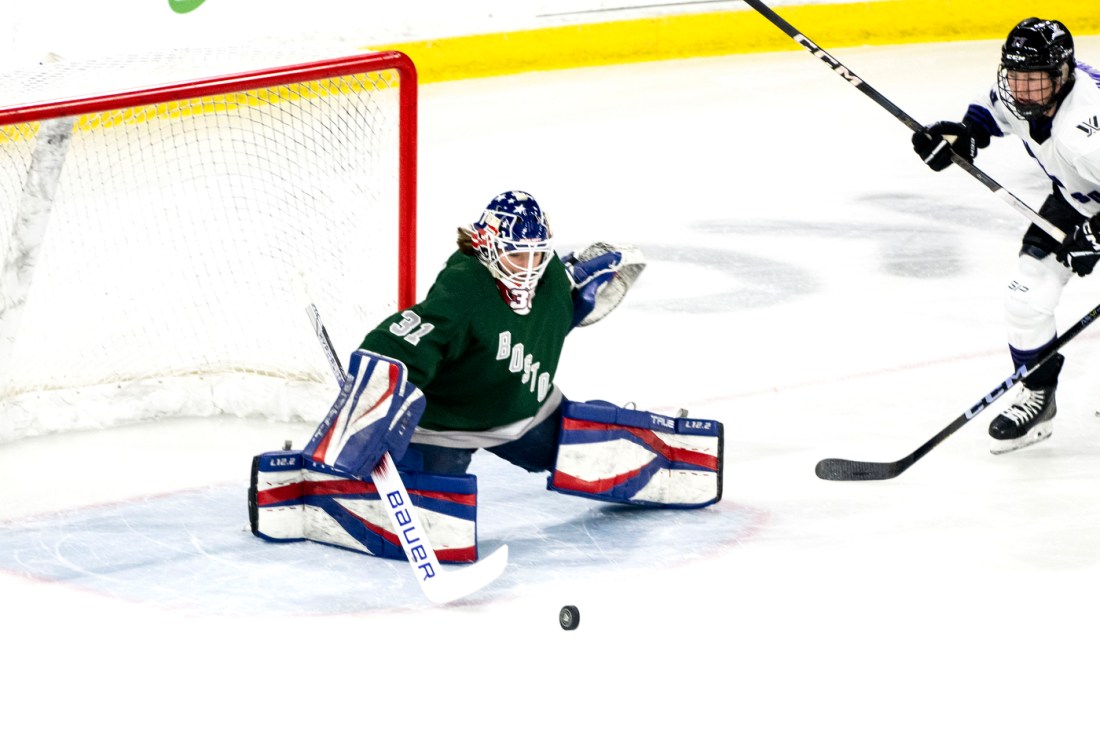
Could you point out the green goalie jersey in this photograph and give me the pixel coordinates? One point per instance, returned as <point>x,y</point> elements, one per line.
<point>479,364</point>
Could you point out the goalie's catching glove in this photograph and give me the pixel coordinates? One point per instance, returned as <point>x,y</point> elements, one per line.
<point>1081,249</point>
<point>934,144</point>
<point>600,276</point>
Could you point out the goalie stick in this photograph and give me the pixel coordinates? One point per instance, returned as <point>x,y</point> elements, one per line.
<point>841,469</point>
<point>848,75</point>
<point>438,585</point>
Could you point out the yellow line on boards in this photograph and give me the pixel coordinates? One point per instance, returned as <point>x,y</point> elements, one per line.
<point>738,31</point>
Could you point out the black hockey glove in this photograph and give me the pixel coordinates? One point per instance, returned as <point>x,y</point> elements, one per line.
<point>1081,249</point>
<point>935,143</point>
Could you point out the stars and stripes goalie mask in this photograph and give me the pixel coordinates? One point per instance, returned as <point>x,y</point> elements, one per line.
<point>513,240</point>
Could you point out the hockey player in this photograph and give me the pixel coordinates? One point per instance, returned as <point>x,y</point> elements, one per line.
<point>484,344</point>
<point>1052,103</point>
<point>470,367</point>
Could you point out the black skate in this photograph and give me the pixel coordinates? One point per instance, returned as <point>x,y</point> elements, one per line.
<point>1026,422</point>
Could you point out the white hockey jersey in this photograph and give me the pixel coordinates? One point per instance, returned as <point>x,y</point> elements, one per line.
<point>1070,156</point>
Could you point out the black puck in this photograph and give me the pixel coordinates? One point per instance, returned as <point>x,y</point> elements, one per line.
<point>569,617</point>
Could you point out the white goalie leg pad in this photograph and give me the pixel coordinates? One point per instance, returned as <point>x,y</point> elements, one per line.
<point>630,456</point>
<point>293,498</point>
<point>275,508</point>
<point>375,412</point>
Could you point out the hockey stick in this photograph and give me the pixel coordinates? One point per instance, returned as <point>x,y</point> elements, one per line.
<point>841,469</point>
<point>438,585</point>
<point>850,76</point>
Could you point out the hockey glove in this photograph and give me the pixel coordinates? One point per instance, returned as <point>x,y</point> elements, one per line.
<point>587,277</point>
<point>376,412</point>
<point>935,143</point>
<point>1081,249</point>
<point>601,276</point>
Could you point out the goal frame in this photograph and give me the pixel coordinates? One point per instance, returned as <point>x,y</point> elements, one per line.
<point>234,387</point>
<point>252,80</point>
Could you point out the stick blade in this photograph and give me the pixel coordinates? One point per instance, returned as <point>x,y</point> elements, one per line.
<point>841,469</point>
<point>458,583</point>
<point>439,585</point>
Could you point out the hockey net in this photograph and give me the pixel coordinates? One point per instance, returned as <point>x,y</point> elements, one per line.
<point>158,246</point>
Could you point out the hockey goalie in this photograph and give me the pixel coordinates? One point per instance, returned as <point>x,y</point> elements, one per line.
<point>493,323</point>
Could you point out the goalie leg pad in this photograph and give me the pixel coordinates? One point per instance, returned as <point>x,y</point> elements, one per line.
<point>293,498</point>
<point>630,456</point>
<point>375,412</point>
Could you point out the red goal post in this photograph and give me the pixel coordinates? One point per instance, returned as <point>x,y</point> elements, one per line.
<point>158,245</point>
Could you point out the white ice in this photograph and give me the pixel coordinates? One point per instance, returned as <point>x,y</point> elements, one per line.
<point>811,284</point>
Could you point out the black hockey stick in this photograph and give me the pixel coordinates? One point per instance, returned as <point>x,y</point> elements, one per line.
<point>850,76</point>
<point>841,469</point>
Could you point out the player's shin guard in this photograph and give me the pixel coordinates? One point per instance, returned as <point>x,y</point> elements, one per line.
<point>292,498</point>
<point>630,456</point>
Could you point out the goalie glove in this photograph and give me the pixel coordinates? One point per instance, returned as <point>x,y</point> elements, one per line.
<point>1081,249</point>
<point>935,143</point>
<point>375,412</point>
<point>601,276</point>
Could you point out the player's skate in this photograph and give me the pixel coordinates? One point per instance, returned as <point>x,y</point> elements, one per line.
<point>1026,422</point>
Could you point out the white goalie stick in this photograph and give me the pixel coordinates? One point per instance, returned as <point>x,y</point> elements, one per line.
<point>848,75</point>
<point>438,585</point>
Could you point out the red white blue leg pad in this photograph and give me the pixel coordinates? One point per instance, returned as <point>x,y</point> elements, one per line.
<point>631,456</point>
<point>293,498</point>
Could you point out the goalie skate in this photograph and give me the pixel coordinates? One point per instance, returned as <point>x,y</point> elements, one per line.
<point>1024,423</point>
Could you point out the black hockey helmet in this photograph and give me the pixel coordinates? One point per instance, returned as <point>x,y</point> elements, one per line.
<point>1039,45</point>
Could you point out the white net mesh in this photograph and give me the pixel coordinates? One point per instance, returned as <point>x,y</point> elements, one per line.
<point>165,269</point>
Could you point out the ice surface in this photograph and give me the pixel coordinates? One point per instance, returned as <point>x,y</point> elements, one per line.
<point>811,284</point>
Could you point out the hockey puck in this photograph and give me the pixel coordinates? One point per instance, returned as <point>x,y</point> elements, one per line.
<point>569,617</point>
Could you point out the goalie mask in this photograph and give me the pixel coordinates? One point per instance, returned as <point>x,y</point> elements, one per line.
<point>1036,71</point>
<point>512,239</point>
